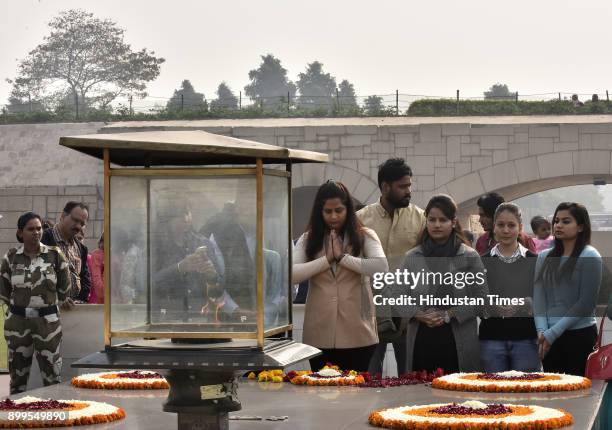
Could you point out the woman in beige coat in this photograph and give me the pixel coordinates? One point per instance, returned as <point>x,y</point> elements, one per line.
<point>337,253</point>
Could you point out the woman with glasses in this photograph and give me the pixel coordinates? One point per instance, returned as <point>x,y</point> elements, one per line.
<point>337,254</point>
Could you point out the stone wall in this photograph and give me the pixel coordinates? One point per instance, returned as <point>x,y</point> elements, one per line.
<point>463,160</point>
<point>48,202</point>
<point>463,157</point>
<point>36,174</point>
<point>31,157</point>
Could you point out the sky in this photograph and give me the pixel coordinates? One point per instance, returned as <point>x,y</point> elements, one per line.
<point>431,47</point>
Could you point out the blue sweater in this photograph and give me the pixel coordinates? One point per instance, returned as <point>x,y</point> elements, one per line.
<point>569,303</point>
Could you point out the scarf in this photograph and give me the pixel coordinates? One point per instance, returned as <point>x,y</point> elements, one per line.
<point>447,249</point>
<point>438,259</point>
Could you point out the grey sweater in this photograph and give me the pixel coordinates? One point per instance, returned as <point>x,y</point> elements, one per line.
<point>464,323</point>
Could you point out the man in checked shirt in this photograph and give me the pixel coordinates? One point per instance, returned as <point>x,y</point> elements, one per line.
<point>63,235</point>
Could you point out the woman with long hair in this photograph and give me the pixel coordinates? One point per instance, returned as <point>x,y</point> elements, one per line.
<point>442,331</point>
<point>338,254</point>
<point>567,281</point>
<point>508,338</point>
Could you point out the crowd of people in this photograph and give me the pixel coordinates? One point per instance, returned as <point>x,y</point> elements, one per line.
<point>555,279</point>
<point>552,280</point>
<point>190,281</point>
<point>47,272</point>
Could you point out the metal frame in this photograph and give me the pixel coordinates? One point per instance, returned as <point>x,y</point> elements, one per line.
<point>289,167</point>
<point>280,329</point>
<point>211,171</point>
<point>259,260</point>
<point>184,335</point>
<point>202,334</point>
<point>107,246</point>
<point>259,171</point>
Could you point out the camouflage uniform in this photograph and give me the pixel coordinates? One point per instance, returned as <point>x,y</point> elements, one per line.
<point>33,283</point>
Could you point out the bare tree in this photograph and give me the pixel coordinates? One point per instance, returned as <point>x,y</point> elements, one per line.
<point>88,57</point>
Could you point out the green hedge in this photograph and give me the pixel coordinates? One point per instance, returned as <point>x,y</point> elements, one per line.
<point>426,107</point>
<point>187,114</point>
<point>450,107</point>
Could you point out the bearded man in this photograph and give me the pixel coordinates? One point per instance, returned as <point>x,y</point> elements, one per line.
<point>397,223</point>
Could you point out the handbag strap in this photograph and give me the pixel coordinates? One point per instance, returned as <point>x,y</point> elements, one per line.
<point>600,334</point>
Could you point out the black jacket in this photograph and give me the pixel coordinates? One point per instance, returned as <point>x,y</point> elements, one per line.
<point>48,239</point>
<point>176,296</point>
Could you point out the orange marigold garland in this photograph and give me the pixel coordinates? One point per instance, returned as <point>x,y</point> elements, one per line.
<point>24,413</point>
<point>331,374</point>
<point>132,380</point>
<point>472,415</point>
<point>511,382</point>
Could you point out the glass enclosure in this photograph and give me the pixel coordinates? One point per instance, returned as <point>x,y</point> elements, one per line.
<point>276,251</point>
<point>184,255</point>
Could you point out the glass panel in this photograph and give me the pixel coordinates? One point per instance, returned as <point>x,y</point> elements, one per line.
<point>202,254</point>
<point>128,274</point>
<point>276,241</point>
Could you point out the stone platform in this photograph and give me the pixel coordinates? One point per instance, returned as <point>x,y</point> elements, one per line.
<point>318,407</point>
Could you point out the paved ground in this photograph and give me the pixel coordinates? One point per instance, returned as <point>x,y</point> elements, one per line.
<point>311,408</point>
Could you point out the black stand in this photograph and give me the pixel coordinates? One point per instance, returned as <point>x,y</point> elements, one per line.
<point>203,378</point>
<point>202,399</point>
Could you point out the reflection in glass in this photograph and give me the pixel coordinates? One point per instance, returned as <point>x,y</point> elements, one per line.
<point>186,254</point>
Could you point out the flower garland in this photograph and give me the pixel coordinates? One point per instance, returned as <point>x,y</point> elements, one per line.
<point>132,380</point>
<point>511,382</point>
<point>77,412</point>
<point>473,415</point>
<point>325,376</point>
<point>411,378</point>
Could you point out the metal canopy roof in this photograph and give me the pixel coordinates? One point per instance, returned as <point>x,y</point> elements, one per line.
<point>180,148</point>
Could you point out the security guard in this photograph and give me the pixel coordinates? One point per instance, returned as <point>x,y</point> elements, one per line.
<point>34,280</point>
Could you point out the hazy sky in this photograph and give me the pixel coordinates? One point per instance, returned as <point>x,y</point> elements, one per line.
<point>419,47</point>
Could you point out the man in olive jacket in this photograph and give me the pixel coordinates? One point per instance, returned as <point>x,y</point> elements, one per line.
<point>397,223</point>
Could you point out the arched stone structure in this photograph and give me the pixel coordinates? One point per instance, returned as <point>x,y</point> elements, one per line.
<point>464,157</point>
<point>521,177</point>
<point>361,187</point>
<point>308,177</point>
